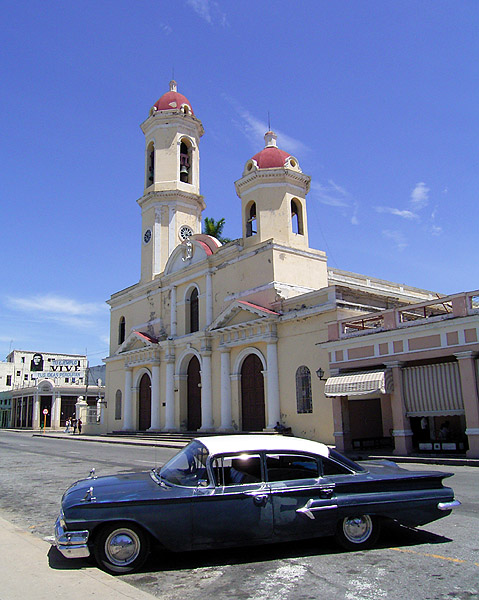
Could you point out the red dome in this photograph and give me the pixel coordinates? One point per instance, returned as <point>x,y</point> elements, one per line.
<point>271,158</point>
<point>172,100</point>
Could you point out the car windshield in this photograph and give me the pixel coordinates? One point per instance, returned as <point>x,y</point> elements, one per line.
<point>188,467</point>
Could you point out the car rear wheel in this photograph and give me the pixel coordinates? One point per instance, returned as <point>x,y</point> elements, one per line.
<point>358,532</point>
<point>121,548</point>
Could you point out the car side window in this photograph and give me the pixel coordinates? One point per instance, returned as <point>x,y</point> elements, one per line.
<point>331,467</point>
<point>284,467</point>
<point>237,470</point>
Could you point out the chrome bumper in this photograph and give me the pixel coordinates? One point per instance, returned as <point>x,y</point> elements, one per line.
<point>72,544</point>
<point>448,505</point>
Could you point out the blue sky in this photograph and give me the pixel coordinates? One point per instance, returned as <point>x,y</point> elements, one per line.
<point>378,100</point>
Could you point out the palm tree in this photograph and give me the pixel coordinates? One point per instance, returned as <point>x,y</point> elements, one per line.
<point>215,228</point>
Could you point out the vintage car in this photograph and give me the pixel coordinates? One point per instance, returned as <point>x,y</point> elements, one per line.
<point>236,490</point>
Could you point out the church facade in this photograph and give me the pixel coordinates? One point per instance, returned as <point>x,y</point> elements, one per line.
<point>231,337</point>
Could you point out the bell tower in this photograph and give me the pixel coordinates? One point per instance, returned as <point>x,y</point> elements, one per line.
<point>171,205</point>
<point>273,197</point>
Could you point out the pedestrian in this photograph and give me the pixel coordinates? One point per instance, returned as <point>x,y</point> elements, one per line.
<point>79,426</point>
<point>74,423</point>
<point>67,428</point>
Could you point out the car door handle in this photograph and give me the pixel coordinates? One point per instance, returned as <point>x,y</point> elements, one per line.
<point>259,499</point>
<point>326,492</point>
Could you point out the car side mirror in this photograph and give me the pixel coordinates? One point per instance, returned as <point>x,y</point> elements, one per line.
<point>203,483</point>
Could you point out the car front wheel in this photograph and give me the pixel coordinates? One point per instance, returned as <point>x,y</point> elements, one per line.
<point>121,548</point>
<point>358,532</point>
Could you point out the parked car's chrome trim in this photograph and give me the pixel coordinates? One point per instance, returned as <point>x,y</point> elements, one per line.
<point>313,505</point>
<point>448,505</point>
<point>72,544</point>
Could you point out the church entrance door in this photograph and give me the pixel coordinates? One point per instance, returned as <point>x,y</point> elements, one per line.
<point>253,416</point>
<point>194,395</point>
<point>144,417</point>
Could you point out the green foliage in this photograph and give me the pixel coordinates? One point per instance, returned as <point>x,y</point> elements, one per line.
<point>215,229</point>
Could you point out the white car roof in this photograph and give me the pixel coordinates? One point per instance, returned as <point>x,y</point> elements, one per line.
<point>218,444</point>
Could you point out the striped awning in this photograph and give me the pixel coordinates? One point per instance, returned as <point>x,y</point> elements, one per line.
<point>431,390</point>
<point>359,384</point>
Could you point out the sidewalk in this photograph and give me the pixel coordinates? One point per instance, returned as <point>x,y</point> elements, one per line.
<point>354,455</point>
<point>31,569</point>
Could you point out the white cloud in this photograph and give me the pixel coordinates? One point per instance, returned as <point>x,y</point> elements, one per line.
<point>166,29</point>
<point>397,237</point>
<point>58,305</point>
<point>331,194</point>
<point>254,129</point>
<point>208,10</point>
<point>420,195</point>
<point>405,214</point>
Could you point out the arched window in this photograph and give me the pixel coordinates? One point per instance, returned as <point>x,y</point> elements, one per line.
<point>194,311</point>
<point>251,220</point>
<point>118,405</point>
<point>121,330</point>
<point>185,161</point>
<point>150,165</point>
<point>304,399</point>
<point>296,217</point>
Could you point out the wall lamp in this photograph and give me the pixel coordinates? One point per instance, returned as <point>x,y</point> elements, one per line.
<point>320,374</point>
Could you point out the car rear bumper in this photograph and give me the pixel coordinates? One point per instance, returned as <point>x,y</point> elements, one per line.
<point>448,505</point>
<point>72,544</point>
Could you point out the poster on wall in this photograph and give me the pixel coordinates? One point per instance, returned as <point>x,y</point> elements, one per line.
<point>58,368</point>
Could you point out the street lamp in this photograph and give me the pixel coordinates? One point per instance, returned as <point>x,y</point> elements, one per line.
<point>320,374</point>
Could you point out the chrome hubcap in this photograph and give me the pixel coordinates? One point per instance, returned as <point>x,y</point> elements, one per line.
<point>357,529</point>
<point>122,547</point>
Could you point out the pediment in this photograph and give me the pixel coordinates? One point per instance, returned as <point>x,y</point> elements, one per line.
<point>191,251</point>
<point>241,312</point>
<point>137,340</point>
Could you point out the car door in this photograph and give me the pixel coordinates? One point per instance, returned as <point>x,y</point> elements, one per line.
<point>235,508</point>
<point>304,502</point>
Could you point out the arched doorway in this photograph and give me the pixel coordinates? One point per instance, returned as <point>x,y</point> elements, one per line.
<point>194,395</point>
<point>253,416</point>
<point>144,404</point>
<point>45,404</point>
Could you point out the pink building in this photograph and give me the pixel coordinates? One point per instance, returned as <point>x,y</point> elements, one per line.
<point>407,377</point>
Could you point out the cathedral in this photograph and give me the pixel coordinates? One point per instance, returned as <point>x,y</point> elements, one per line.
<point>241,336</point>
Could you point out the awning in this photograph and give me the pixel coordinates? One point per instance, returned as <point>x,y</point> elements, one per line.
<point>359,384</point>
<point>433,390</point>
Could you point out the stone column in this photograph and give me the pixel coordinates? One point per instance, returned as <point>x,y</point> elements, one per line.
<point>206,392</point>
<point>36,410</point>
<point>274,412</point>
<point>402,428</point>
<point>155,397</point>
<point>56,409</point>
<point>173,311</point>
<point>209,299</point>
<point>170,393</point>
<point>226,424</point>
<point>81,410</point>
<point>128,404</point>
<point>467,370</point>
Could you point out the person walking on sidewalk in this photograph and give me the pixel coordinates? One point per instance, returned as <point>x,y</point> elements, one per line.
<point>79,426</point>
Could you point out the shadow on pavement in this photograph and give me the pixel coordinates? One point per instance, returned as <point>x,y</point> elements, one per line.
<point>57,561</point>
<point>393,535</point>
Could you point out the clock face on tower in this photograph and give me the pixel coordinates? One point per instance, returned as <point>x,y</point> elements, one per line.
<point>185,232</point>
<point>147,236</point>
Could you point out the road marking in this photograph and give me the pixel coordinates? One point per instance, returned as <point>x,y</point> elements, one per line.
<point>455,560</point>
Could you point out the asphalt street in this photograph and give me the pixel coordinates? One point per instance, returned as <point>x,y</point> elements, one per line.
<point>439,561</point>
